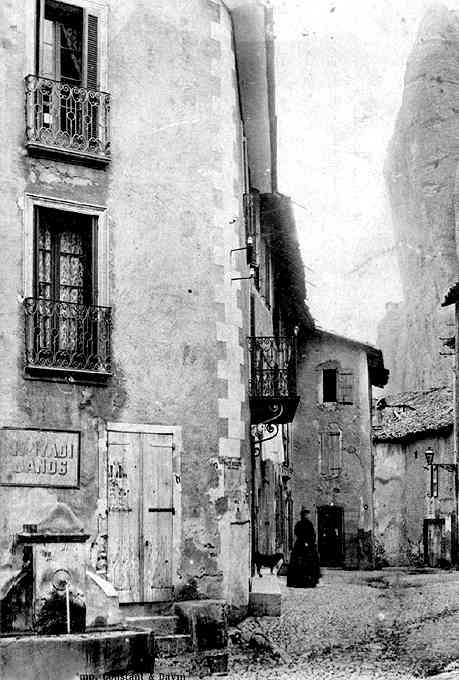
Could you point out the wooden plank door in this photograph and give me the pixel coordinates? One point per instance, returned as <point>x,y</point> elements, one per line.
<point>158,516</point>
<point>140,515</point>
<point>124,514</point>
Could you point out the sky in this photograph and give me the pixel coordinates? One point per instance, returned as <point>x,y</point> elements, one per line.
<point>340,69</point>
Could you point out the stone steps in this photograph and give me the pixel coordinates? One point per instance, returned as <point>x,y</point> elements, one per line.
<point>159,624</point>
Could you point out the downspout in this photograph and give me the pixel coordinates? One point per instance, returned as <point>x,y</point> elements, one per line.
<point>455,557</point>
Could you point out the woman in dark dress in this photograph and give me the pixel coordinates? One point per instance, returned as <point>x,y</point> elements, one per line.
<point>303,569</point>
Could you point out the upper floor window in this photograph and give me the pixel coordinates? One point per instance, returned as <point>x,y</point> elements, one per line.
<point>337,386</point>
<point>67,44</point>
<point>65,110</point>
<point>65,327</point>
<point>64,256</point>
<point>61,47</point>
<point>329,384</point>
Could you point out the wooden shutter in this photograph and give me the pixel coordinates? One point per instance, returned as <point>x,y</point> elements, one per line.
<point>324,458</point>
<point>346,387</point>
<point>330,453</point>
<point>92,57</point>
<point>334,452</point>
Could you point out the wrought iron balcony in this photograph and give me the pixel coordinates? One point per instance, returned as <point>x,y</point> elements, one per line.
<point>272,384</point>
<point>65,336</point>
<point>65,120</point>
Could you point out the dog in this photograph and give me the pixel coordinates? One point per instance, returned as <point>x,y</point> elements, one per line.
<point>270,561</point>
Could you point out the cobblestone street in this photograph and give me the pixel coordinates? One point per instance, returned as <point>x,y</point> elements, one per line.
<point>387,625</point>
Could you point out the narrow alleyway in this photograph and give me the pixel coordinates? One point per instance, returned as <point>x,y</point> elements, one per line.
<point>390,624</point>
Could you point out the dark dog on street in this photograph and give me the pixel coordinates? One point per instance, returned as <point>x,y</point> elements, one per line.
<point>270,561</point>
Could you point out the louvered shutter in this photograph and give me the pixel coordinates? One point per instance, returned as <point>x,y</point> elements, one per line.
<point>334,454</point>
<point>324,457</point>
<point>346,387</point>
<point>92,61</point>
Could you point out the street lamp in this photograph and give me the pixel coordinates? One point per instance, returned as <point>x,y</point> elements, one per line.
<point>429,454</point>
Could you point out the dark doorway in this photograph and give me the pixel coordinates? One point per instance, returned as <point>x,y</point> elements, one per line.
<point>330,535</point>
<point>433,541</point>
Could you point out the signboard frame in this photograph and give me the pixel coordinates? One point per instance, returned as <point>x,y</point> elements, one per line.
<point>45,485</point>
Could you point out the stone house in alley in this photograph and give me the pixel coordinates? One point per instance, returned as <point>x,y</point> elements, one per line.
<point>415,503</point>
<point>153,295</point>
<point>332,451</point>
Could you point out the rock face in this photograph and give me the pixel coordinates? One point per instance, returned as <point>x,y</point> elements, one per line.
<point>421,178</point>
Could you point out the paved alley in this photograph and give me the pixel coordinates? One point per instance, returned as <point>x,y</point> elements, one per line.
<point>388,624</point>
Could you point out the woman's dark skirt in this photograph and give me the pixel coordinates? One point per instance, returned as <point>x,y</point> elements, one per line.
<point>303,569</point>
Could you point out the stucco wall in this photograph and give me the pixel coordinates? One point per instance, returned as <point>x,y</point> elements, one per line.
<point>351,488</point>
<point>173,197</point>
<point>402,497</point>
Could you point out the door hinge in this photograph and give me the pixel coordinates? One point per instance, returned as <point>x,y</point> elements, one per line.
<point>172,510</point>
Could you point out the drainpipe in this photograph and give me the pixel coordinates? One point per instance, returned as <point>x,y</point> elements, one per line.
<point>456,431</point>
<point>253,461</point>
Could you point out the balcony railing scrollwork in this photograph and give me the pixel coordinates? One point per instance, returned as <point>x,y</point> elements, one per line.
<point>272,383</point>
<point>66,336</point>
<point>67,120</point>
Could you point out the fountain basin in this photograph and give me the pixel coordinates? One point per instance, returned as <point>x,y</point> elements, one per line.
<point>69,657</point>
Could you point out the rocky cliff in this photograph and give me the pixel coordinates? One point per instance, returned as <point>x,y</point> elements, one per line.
<point>421,178</point>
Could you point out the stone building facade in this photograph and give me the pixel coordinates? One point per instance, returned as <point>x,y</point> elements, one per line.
<point>415,503</point>
<point>332,451</point>
<point>143,242</point>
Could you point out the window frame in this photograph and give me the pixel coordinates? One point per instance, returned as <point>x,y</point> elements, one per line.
<point>329,370</point>
<point>34,27</point>
<point>345,384</point>
<point>100,245</point>
<point>91,228</point>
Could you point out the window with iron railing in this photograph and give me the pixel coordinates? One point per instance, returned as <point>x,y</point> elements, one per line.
<point>64,328</point>
<point>66,113</point>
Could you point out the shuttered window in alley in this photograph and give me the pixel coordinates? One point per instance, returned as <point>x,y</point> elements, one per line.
<point>346,387</point>
<point>330,452</point>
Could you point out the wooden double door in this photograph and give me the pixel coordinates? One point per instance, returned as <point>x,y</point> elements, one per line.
<point>141,513</point>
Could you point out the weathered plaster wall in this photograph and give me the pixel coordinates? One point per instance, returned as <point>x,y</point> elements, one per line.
<point>351,488</point>
<point>402,497</point>
<point>421,177</point>
<point>173,195</point>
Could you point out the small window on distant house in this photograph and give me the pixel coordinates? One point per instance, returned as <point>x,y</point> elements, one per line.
<point>329,384</point>
<point>337,386</point>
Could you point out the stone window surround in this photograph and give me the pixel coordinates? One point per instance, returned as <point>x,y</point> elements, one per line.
<point>102,245</point>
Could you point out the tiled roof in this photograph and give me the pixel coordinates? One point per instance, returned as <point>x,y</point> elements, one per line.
<point>405,415</point>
